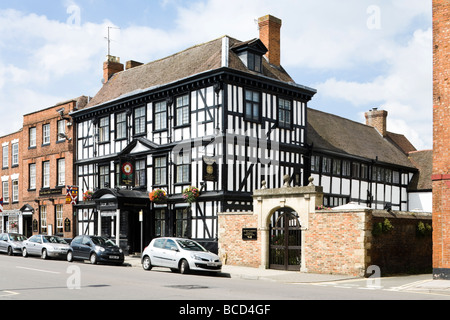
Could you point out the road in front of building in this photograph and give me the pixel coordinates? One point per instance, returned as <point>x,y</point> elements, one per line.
<point>37,279</point>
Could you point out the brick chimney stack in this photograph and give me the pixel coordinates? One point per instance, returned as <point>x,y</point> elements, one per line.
<point>377,119</point>
<point>111,66</point>
<point>270,35</point>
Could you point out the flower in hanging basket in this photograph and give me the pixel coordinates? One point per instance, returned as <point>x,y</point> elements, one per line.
<point>14,225</point>
<point>190,194</point>
<point>87,196</point>
<point>158,195</point>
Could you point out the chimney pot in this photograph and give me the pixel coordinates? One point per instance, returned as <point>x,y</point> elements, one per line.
<point>270,35</point>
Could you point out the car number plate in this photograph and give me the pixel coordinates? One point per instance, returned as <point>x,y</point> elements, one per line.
<point>114,257</point>
<point>211,264</point>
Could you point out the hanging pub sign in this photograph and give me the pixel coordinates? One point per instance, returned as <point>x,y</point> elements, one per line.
<point>210,169</point>
<point>127,172</point>
<point>71,194</point>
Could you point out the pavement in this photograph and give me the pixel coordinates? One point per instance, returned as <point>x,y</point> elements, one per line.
<point>425,286</point>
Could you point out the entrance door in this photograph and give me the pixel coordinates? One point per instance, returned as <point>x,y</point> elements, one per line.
<point>285,240</point>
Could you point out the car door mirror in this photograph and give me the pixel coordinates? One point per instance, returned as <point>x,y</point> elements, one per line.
<point>174,249</point>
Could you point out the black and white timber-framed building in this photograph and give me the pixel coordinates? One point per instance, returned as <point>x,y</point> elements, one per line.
<point>223,118</point>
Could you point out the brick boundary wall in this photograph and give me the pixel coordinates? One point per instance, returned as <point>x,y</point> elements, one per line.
<point>339,242</point>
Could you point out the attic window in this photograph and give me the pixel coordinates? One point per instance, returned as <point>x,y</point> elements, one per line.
<point>252,60</point>
<point>251,53</point>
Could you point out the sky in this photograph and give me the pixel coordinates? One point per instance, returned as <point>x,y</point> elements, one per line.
<point>357,54</point>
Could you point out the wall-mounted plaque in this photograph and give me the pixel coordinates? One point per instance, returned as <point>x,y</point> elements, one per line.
<point>249,234</point>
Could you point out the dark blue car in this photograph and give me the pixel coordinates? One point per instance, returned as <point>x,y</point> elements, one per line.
<point>95,249</point>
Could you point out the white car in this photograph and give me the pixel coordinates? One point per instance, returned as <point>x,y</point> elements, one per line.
<point>45,246</point>
<point>179,254</point>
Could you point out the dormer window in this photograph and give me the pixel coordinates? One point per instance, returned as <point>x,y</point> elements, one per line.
<point>251,53</point>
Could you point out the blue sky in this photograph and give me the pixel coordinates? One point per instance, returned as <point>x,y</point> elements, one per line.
<point>358,54</point>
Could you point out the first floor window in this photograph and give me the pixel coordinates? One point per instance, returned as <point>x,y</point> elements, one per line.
<point>141,170</point>
<point>61,172</point>
<point>46,174</point>
<point>5,188</point>
<point>32,176</point>
<point>15,154</point>
<point>183,168</point>
<point>160,171</point>
<point>104,177</point>
<point>5,156</point>
<point>15,185</point>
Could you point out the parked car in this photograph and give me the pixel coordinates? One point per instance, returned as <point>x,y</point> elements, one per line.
<point>45,246</point>
<point>179,254</point>
<point>11,243</point>
<point>95,249</point>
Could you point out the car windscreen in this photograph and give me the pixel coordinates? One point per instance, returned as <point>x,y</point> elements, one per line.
<point>190,245</point>
<point>17,237</point>
<point>104,242</point>
<point>51,239</point>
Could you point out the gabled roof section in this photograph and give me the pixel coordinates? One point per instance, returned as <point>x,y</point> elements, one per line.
<point>423,160</point>
<point>139,145</point>
<point>331,133</point>
<point>254,45</point>
<point>190,62</point>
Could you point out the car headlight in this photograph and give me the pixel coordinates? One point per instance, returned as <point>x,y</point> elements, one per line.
<point>196,257</point>
<point>98,248</point>
<point>120,250</point>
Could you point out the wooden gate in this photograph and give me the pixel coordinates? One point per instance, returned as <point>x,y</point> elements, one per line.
<point>285,240</point>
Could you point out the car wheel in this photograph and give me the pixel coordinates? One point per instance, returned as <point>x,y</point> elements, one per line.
<point>93,258</point>
<point>10,251</point>
<point>44,254</point>
<point>24,252</point>
<point>184,267</point>
<point>70,256</point>
<point>147,263</point>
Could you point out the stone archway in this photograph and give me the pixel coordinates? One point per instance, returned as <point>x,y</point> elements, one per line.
<point>299,202</point>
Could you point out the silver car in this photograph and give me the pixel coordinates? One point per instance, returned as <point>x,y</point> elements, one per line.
<point>179,254</point>
<point>45,246</point>
<point>11,243</point>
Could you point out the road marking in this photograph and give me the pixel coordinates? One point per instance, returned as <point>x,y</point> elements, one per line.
<point>8,293</point>
<point>46,271</point>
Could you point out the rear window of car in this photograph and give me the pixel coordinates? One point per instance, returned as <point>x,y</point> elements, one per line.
<point>159,243</point>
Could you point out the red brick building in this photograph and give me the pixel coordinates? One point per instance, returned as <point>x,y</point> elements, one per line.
<point>441,123</point>
<point>11,218</point>
<point>47,165</point>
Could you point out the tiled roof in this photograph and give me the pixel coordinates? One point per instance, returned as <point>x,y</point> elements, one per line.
<point>423,160</point>
<point>192,61</point>
<point>331,133</point>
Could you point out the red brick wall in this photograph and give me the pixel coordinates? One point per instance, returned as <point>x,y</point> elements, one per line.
<point>441,139</point>
<point>232,249</point>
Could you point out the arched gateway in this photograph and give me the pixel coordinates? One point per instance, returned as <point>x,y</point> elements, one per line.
<point>279,220</point>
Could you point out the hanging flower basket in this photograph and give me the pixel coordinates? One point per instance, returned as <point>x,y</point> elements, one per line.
<point>87,196</point>
<point>158,196</point>
<point>13,225</point>
<point>190,194</point>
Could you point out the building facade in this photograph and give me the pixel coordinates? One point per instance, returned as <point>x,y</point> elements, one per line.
<point>441,137</point>
<point>12,218</point>
<point>226,118</point>
<point>47,156</point>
